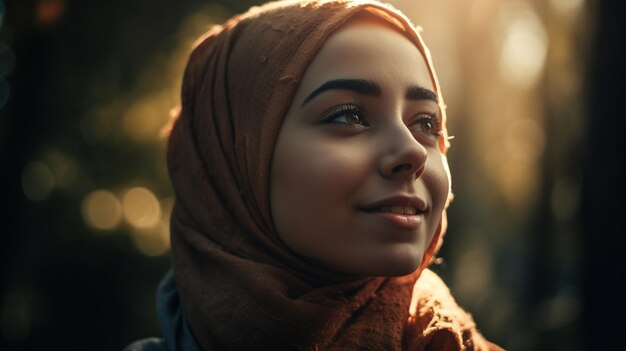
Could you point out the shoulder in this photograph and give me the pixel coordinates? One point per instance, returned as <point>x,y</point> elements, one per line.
<point>437,322</point>
<point>149,344</point>
<point>432,303</point>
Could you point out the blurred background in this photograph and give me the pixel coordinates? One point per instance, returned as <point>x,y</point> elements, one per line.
<point>535,94</point>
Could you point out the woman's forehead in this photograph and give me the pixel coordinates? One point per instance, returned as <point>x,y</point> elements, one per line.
<point>371,49</point>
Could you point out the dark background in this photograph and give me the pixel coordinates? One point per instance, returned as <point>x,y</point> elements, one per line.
<point>65,285</point>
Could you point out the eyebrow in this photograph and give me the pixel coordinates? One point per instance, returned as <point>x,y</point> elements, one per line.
<point>417,92</point>
<point>361,86</point>
<point>370,88</point>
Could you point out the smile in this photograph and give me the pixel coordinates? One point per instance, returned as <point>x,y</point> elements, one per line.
<point>407,210</point>
<point>404,212</point>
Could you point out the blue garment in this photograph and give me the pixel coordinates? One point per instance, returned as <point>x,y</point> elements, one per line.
<point>177,335</point>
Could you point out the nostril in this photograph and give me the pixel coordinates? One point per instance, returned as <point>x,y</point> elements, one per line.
<point>418,172</point>
<point>404,161</point>
<point>407,168</point>
<point>401,168</point>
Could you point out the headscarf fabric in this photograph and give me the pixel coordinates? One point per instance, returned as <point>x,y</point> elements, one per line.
<point>241,288</point>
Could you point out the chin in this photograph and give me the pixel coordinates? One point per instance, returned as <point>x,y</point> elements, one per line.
<point>392,266</point>
<point>399,271</point>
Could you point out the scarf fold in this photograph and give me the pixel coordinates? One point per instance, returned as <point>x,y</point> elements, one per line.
<point>240,287</point>
<point>436,322</point>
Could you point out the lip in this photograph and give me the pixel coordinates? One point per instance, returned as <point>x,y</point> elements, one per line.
<point>400,200</point>
<point>404,221</point>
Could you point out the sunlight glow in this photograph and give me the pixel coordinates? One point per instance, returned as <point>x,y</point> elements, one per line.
<point>473,274</point>
<point>525,135</point>
<point>524,47</point>
<point>568,8</point>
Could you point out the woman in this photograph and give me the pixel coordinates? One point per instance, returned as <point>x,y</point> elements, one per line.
<point>311,184</point>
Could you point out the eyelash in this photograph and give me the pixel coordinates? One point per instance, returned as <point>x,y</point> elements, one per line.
<point>331,115</point>
<point>334,113</point>
<point>433,120</point>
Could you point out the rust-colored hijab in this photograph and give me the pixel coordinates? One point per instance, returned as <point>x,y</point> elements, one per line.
<point>241,288</point>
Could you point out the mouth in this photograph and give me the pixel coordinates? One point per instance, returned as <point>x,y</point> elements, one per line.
<point>402,211</point>
<point>407,210</point>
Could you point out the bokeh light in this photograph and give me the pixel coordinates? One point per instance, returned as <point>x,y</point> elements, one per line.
<point>559,311</point>
<point>102,210</point>
<point>37,181</point>
<point>154,241</point>
<point>568,8</point>
<point>144,119</point>
<point>49,12</point>
<point>526,136</point>
<point>141,208</point>
<point>63,167</point>
<point>524,46</point>
<point>476,262</point>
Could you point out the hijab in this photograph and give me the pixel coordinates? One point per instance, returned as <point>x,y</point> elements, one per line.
<point>240,286</point>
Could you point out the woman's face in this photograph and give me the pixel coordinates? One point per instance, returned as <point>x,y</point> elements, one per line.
<point>358,183</point>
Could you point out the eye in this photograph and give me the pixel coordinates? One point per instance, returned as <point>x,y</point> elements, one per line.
<point>428,123</point>
<point>345,114</point>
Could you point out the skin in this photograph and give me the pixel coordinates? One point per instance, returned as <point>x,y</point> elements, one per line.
<point>334,160</point>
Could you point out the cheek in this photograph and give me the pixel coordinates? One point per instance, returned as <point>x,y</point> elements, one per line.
<point>312,184</point>
<point>437,181</point>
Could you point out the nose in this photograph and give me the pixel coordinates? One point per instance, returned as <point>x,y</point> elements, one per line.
<point>405,158</point>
